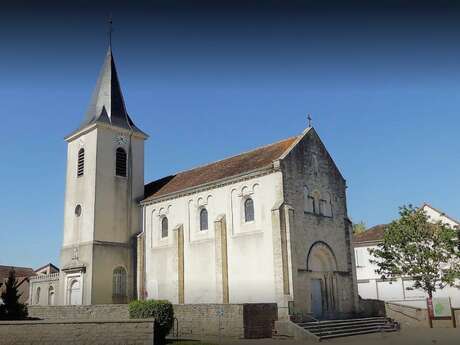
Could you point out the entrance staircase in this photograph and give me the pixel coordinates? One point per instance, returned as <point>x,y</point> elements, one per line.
<point>343,328</point>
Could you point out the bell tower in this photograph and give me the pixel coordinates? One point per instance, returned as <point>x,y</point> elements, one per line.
<point>104,182</point>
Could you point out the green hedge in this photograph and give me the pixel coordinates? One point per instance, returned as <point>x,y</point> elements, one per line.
<point>162,311</point>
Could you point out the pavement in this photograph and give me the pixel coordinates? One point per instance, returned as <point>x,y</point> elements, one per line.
<point>410,336</point>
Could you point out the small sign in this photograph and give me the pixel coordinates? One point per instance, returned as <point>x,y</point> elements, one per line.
<point>429,303</point>
<point>441,307</point>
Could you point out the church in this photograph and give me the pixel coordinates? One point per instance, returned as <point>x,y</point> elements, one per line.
<point>267,225</point>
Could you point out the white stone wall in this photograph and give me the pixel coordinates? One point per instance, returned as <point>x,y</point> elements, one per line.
<point>100,238</point>
<point>250,245</point>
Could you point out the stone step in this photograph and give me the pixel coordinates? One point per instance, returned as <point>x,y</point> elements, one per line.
<point>363,319</point>
<point>332,324</point>
<point>358,332</point>
<point>351,330</point>
<point>320,328</point>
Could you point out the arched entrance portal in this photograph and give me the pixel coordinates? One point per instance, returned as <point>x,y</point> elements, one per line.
<point>322,267</point>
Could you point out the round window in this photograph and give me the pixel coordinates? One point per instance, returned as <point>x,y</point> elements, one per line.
<point>78,211</point>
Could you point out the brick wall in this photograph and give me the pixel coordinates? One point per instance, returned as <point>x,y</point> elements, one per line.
<point>127,332</point>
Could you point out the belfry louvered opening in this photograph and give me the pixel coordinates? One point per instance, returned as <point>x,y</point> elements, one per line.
<point>81,163</point>
<point>120,167</point>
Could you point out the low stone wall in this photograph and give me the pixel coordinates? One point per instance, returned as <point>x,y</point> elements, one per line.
<point>79,332</point>
<point>227,320</point>
<point>80,312</point>
<point>251,320</point>
<point>409,316</point>
<point>371,307</point>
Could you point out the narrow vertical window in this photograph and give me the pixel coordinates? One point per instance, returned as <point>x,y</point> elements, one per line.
<point>164,227</point>
<point>119,285</point>
<point>37,296</point>
<point>203,219</point>
<point>81,163</point>
<point>120,166</point>
<point>249,210</point>
<point>51,295</point>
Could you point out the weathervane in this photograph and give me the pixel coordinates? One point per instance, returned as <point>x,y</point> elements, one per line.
<point>309,120</point>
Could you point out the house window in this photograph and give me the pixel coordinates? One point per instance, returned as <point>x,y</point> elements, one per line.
<point>81,163</point>
<point>203,219</point>
<point>249,210</point>
<point>164,227</point>
<point>120,168</point>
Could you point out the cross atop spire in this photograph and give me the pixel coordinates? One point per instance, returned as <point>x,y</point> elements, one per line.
<point>110,30</point>
<point>309,120</point>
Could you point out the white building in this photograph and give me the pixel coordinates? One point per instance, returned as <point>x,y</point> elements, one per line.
<point>268,225</point>
<point>370,286</point>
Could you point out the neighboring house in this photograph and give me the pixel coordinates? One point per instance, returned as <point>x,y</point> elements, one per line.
<point>23,277</point>
<point>370,284</point>
<point>268,225</point>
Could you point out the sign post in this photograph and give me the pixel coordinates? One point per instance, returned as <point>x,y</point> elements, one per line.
<point>429,304</point>
<point>439,308</point>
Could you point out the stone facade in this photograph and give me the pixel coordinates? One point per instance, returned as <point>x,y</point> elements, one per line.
<point>319,236</point>
<point>126,332</point>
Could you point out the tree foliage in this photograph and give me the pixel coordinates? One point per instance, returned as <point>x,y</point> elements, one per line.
<point>359,228</point>
<point>12,309</point>
<point>417,248</point>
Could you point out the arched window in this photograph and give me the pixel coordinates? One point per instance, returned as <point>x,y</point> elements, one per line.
<point>325,206</point>
<point>75,292</point>
<point>248,210</point>
<point>37,296</point>
<point>309,201</point>
<point>51,295</point>
<point>81,163</point>
<point>119,285</point>
<point>203,219</point>
<point>164,227</point>
<point>120,168</point>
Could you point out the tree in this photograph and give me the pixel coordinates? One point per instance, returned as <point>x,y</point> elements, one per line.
<point>359,228</point>
<point>11,309</point>
<point>417,248</point>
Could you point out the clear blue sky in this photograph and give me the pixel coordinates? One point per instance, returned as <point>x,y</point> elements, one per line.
<point>206,82</point>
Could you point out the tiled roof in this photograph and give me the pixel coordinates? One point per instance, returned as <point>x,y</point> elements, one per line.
<point>20,271</point>
<point>233,166</point>
<point>373,234</point>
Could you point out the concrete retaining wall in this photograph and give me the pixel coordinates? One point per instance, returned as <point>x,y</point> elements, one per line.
<point>78,332</point>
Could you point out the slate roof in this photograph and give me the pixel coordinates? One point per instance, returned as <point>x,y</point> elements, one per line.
<point>233,166</point>
<point>373,234</point>
<point>107,103</point>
